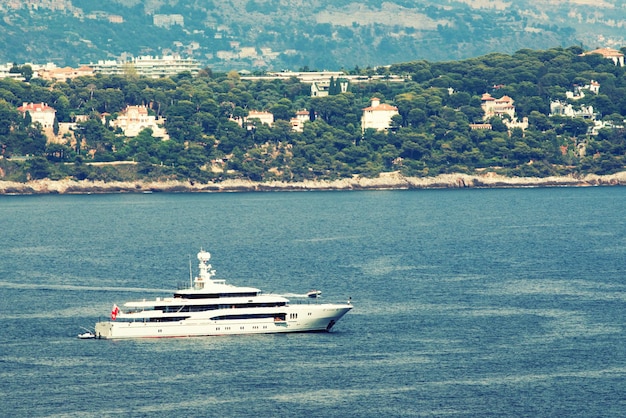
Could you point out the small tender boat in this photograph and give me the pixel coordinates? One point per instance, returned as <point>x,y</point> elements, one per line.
<point>87,335</point>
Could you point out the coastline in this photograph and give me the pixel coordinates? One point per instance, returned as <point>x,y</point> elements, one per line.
<point>386,181</point>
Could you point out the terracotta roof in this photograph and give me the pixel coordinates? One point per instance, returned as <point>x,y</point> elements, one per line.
<point>487,96</point>
<point>62,70</point>
<point>382,106</point>
<point>142,110</point>
<point>606,52</point>
<point>35,107</point>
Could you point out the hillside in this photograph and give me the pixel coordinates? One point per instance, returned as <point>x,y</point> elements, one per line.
<point>276,34</point>
<point>535,113</point>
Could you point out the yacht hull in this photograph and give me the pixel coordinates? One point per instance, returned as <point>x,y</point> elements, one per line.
<point>297,318</point>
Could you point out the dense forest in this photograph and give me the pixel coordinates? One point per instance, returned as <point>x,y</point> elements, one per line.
<point>437,102</point>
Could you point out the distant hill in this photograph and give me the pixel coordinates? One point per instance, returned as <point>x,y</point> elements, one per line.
<point>296,34</point>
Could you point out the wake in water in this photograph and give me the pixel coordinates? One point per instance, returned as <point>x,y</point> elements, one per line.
<point>65,287</point>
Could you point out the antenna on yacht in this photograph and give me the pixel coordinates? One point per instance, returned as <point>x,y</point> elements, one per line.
<point>190,272</point>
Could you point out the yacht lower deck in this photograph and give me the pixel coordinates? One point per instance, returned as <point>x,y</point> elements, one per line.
<point>304,318</point>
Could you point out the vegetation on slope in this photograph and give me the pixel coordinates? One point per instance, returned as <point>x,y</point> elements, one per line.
<point>431,135</point>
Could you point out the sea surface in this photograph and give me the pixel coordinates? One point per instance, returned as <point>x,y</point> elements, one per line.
<point>467,303</point>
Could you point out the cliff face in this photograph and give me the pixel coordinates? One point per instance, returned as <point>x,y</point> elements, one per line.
<point>391,181</point>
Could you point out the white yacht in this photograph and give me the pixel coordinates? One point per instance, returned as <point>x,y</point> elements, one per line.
<point>212,307</point>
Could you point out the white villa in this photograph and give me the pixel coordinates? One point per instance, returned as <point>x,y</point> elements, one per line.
<point>558,108</point>
<point>265,118</point>
<point>135,119</point>
<point>297,123</point>
<point>608,53</point>
<point>497,107</point>
<point>500,107</point>
<point>39,112</point>
<point>565,109</point>
<point>579,91</point>
<point>378,115</point>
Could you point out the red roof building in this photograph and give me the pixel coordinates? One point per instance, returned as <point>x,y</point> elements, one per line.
<point>378,115</point>
<point>39,112</point>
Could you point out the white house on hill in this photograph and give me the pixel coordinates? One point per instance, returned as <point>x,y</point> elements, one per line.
<point>266,118</point>
<point>297,123</point>
<point>579,91</point>
<point>559,108</point>
<point>39,112</point>
<point>378,115</point>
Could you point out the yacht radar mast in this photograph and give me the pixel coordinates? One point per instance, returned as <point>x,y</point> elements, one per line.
<point>206,269</point>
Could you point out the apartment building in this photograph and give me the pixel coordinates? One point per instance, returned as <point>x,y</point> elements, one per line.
<point>147,66</point>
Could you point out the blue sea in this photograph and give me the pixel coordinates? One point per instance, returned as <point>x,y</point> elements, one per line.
<point>467,303</point>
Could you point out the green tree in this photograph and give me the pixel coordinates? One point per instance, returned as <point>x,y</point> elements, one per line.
<point>38,168</point>
<point>283,110</point>
<point>333,109</point>
<point>27,72</point>
<point>59,152</point>
<point>9,118</point>
<point>55,127</point>
<point>180,123</point>
<point>32,141</point>
<point>28,119</point>
<point>96,136</point>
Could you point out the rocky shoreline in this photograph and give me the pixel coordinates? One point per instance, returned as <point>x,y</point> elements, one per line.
<point>386,181</point>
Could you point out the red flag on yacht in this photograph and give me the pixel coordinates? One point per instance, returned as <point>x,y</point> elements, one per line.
<point>114,312</point>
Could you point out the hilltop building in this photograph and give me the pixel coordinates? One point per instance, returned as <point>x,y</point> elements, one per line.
<point>502,108</point>
<point>297,123</point>
<point>167,21</point>
<point>608,53</point>
<point>39,112</point>
<point>579,91</point>
<point>322,88</point>
<point>115,19</point>
<point>497,107</point>
<point>148,66</point>
<point>5,72</point>
<point>378,115</point>
<point>564,109</point>
<point>8,70</point>
<point>265,118</point>
<point>135,119</point>
<point>62,74</point>
<point>320,80</point>
<point>559,108</point>
<point>48,71</point>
